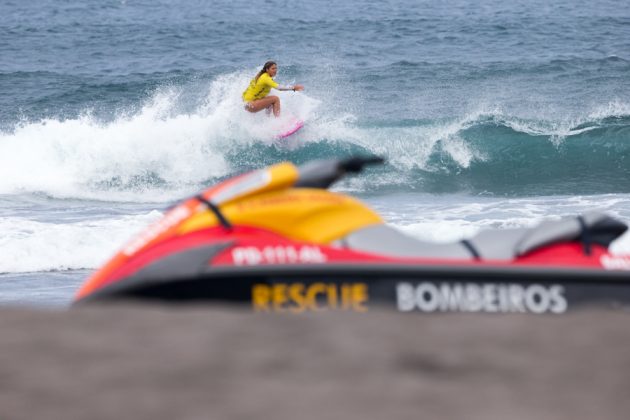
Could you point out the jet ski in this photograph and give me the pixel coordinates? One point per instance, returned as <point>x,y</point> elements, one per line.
<point>277,240</point>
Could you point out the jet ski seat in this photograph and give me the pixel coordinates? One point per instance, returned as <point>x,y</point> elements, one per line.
<point>505,244</point>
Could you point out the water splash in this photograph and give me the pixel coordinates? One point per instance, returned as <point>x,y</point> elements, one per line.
<point>173,146</point>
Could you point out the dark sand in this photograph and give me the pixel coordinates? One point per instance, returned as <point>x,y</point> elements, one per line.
<point>150,362</point>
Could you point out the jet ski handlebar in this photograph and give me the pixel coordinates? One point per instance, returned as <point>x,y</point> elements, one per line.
<point>323,173</point>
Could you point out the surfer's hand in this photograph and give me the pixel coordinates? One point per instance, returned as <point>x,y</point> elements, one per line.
<point>298,87</point>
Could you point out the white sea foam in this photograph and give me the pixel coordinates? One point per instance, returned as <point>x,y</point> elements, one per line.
<point>153,154</point>
<point>412,147</point>
<point>559,129</point>
<point>164,149</point>
<point>31,246</point>
<point>615,108</point>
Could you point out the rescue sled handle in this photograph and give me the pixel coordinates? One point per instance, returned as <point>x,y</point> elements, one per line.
<point>323,173</point>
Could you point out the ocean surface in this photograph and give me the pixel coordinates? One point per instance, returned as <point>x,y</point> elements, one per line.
<point>491,114</point>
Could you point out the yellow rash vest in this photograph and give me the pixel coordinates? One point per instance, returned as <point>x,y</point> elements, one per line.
<point>260,88</point>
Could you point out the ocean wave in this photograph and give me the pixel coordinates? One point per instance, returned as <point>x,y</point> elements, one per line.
<point>30,246</point>
<point>498,154</point>
<point>172,145</point>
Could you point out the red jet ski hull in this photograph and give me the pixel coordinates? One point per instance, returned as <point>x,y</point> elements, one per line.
<point>270,273</point>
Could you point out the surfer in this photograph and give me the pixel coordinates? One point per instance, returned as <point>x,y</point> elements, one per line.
<point>257,97</point>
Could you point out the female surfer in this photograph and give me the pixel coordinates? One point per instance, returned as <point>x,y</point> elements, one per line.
<point>256,95</point>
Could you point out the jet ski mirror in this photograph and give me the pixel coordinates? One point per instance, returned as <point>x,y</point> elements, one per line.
<point>323,173</point>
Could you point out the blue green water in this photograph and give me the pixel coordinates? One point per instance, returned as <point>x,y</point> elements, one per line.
<point>489,113</point>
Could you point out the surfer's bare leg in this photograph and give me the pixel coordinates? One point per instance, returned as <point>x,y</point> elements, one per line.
<point>272,102</point>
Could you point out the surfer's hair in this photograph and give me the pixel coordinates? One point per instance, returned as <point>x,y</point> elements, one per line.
<point>265,68</point>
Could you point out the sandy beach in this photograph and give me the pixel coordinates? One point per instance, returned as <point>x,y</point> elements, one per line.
<point>169,362</point>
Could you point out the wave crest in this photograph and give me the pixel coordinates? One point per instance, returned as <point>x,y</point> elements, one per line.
<point>172,146</point>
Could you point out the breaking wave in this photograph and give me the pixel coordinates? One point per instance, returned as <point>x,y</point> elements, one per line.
<point>168,148</point>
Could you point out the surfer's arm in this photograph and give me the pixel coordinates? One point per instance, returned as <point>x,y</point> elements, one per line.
<point>290,87</point>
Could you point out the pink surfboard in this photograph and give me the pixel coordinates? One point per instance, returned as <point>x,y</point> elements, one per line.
<point>290,129</point>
